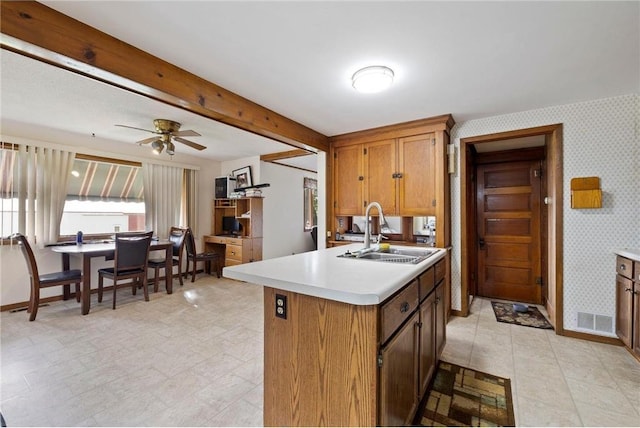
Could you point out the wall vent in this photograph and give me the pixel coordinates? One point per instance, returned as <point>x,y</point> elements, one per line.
<point>595,322</point>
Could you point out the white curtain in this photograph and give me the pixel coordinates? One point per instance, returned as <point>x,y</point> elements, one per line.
<point>43,175</point>
<point>162,197</point>
<point>190,208</point>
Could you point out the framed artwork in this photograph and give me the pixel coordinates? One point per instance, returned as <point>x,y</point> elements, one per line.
<point>243,177</point>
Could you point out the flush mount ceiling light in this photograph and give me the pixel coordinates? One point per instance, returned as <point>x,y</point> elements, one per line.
<point>372,79</point>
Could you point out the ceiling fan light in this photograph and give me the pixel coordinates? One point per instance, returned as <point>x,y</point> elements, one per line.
<point>171,148</point>
<point>372,79</point>
<point>157,147</point>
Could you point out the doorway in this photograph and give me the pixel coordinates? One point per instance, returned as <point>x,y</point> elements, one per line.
<point>479,155</point>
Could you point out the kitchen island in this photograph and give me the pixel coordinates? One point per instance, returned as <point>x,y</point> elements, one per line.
<point>347,342</point>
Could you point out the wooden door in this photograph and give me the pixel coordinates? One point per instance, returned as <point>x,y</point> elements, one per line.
<point>379,175</point>
<point>427,362</point>
<point>417,175</point>
<point>398,376</point>
<point>348,180</point>
<point>508,221</point>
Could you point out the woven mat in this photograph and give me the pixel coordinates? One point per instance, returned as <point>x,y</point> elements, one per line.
<point>461,396</point>
<point>532,318</point>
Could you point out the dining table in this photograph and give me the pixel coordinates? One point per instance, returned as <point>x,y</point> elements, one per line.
<point>107,250</point>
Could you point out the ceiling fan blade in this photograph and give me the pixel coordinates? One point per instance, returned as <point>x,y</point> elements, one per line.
<point>140,129</point>
<point>186,133</point>
<point>148,140</point>
<point>189,143</point>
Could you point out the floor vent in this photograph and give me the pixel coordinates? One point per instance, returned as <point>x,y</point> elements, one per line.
<point>595,322</point>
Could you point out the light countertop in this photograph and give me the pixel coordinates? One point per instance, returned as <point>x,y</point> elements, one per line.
<point>323,274</point>
<point>631,253</point>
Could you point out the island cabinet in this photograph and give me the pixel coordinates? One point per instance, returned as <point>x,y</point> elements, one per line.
<point>628,301</point>
<point>334,363</point>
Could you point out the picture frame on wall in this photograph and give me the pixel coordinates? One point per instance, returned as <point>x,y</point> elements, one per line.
<point>243,177</point>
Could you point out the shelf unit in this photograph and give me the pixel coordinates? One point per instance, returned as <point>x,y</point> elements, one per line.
<point>247,245</point>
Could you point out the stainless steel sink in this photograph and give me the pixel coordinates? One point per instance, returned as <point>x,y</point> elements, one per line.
<point>393,255</point>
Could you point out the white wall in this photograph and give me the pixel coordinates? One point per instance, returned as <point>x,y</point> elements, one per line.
<point>14,277</point>
<point>283,221</point>
<point>600,138</point>
<point>227,167</point>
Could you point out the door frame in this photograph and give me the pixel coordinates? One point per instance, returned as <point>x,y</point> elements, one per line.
<point>554,210</point>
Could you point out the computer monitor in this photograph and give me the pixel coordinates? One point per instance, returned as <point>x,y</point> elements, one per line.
<point>231,225</point>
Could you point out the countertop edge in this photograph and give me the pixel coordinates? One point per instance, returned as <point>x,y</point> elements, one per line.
<point>631,253</point>
<point>340,295</point>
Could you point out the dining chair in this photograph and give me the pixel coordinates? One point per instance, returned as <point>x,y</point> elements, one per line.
<point>176,236</point>
<point>131,261</point>
<point>193,256</point>
<point>66,277</point>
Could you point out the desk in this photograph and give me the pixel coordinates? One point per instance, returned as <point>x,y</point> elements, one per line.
<point>107,250</point>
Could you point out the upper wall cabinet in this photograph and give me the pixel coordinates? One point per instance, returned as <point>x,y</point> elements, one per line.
<point>403,167</point>
<point>398,173</point>
<point>417,175</point>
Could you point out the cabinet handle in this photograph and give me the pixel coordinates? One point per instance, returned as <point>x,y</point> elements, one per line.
<point>394,175</point>
<point>399,175</point>
<point>627,289</point>
<point>404,307</point>
<point>360,178</point>
<point>623,267</point>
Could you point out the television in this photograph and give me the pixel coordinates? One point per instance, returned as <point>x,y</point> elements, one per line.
<point>224,186</point>
<point>231,226</point>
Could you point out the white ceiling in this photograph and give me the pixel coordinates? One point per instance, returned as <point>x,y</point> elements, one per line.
<point>470,59</point>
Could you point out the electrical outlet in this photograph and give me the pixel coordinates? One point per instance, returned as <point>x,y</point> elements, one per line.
<point>281,306</point>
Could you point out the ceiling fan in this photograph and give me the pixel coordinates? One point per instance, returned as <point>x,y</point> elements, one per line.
<point>167,130</point>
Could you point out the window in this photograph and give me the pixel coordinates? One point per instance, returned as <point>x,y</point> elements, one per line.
<point>310,203</point>
<point>103,196</point>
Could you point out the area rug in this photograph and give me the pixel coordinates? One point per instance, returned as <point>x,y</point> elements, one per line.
<point>532,318</point>
<point>460,396</point>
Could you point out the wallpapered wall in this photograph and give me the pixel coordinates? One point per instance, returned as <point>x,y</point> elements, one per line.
<point>600,138</point>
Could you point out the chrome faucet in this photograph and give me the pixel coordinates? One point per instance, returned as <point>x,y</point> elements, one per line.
<point>367,229</point>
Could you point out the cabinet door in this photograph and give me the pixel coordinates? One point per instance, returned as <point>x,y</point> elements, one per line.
<point>624,309</point>
<point>427,357</point>
<point>398,379</point>
<point>379,175</point>
<point>441,325</point>
<point>417,183</point>
<point>348,180</point>
<point>636,317</point>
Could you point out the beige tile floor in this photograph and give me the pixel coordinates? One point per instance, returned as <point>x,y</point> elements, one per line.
<point>194,358</point>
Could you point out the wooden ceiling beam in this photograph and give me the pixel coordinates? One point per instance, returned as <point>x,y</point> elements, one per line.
<point>43,33</point>
<point>285,155</point>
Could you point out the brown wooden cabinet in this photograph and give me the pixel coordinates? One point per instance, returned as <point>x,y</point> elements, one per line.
<point>628,302</point>
<point>417,176</point>
<point>398,382</point>
<point>347,167</point>
<point>427,358</point>
<point>397,173</point>
<point>402,166</point>
<point>330,363</point>
<point>416,342</point>
<point>246,245</point>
